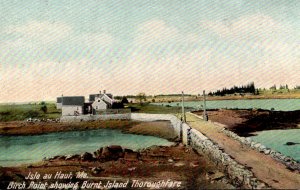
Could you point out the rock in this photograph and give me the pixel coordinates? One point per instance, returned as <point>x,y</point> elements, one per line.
<point>71,157</point>
<point>170,160</point>
<point>86,156</point>
<point>291,143</point>
<point>287,159</point>
<point>248,139</point>
<point>113,152</point>
<point>97,170</point>
<point>115,148</point>
<point>267,151</point>
<point>257,145</point>
<point>262,148</point>
<point>132,169</point>
<point>131,156</point>
<point>179,164</point>
<point>194,164</point>
<point>128,150</point>
<point>253,144</point>
<point>98,153</point>
<point>181,145</point>
<point>217,176</point>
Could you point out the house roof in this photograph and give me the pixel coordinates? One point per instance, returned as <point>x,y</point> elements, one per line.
<point>92,97</point>
<point>58,100</point>
<point>73,100</point>
<point>110,95</point>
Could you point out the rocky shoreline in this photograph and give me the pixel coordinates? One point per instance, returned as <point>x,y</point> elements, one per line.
<point>176,163</point>
<point>289,162</point>
<point>245,122</point>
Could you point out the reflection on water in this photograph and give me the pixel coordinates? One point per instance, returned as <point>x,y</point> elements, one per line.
<point>277,139</point>
<point>27,149</point>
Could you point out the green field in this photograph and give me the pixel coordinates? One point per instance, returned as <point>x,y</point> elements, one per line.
<point>19,112</point>
<point>154,109</point>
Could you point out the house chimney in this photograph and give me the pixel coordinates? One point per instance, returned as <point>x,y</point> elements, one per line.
<point>104,91</point>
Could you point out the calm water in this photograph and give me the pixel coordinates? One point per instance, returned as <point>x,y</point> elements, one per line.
<point>276,139</point>
<point>27,149</point>
<point>277,104</point>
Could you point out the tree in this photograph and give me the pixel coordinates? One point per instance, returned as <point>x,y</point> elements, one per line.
<point>273,87</point>
<point>44,107</point>
<point>141,97</point>
<point>124,100</point>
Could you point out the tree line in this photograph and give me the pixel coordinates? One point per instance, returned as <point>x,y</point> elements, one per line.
<point>249,88</point>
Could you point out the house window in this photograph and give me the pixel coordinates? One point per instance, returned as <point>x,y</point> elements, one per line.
<point>98,100</point>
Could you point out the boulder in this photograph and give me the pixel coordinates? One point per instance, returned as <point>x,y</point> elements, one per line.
<point>248,139</point>
<point>262,148</point>
<point>217,176</point>
<point>72,157</point>
<point>257,145</point>
<point>97,170</point>
<point>170,160</point>
<point>131,156</point>
<point>179,164</point>
<point>98,153</point>
<point>287,159</point>
<point>267,151</point>
<point>113,152</point>
<point>86,157</point>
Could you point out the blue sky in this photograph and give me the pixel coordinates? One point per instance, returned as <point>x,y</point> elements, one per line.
<point>79,47</point>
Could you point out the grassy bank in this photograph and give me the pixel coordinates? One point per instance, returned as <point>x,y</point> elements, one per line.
<point>154,109</point>
<point>19,112</point>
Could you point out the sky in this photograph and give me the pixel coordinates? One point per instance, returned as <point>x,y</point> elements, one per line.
<point>79,47</point>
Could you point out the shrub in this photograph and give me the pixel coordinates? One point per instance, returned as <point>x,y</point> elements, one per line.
<point>32,114</point>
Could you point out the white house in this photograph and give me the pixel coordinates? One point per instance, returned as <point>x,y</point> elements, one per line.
<point>101,101</point>
<point>72,105</point>
<point>99,104</point>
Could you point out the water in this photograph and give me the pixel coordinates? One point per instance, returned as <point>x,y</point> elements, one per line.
<point>276,139</point>
<point>268,104</point>
<point>27,149</point>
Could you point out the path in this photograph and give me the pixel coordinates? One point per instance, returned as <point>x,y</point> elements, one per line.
<point>263,166</point>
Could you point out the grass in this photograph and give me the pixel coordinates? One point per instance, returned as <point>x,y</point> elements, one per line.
<point>19,112</point>
<point>154,109</point>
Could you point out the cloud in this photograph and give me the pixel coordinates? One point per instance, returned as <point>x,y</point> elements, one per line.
<point>46,80</point>
<point>250,27</point>
<point>42,32</point>
<point>95,39</point>
<point>155,31</point>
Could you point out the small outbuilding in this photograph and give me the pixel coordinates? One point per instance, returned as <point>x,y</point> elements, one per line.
<point>72,105</point>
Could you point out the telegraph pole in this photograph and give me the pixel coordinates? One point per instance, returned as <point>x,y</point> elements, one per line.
<point>183,117</point>
<point>205,116</point>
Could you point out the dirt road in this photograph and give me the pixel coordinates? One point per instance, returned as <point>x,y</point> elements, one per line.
<point>263,166</point>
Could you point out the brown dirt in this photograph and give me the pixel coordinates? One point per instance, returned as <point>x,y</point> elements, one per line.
<point>245,122</point>
<point>30,128</point>
<point>263,166</point>
<point>154,129</point>
<point>186,166</point>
